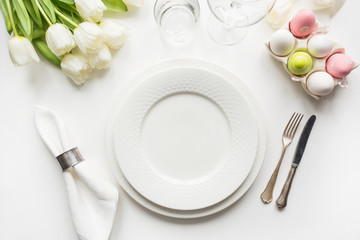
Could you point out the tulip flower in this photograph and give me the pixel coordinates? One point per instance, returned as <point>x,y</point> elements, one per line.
<point>89,37</point>
<point>136,3</point>
<point>22,51</point>
<point>280,13</point>
<point>75,68</point>
<point>84,57</point>
<point>330,6</point>
<point>102,59</point>
<point>90,10</point>
<point>59,39</point>
<point>114,33</point>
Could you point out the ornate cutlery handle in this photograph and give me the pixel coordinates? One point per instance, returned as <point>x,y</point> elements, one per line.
<point>267,194</point>
<point>282,200</point>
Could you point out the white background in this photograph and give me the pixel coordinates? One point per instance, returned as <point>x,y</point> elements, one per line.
<point>324,201</point>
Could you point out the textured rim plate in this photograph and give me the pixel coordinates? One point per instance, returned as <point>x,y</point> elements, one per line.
<point>185,164</point>
<point>253,172</point>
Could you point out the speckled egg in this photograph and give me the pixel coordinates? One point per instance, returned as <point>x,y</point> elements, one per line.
<point>303,23</point>
<point>339,65</point>
<point>320,46</point>
<point>282,42</point>
<point>320,83</point>
<point>299,63</point>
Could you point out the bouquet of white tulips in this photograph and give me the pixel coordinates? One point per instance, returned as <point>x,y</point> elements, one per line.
<point>69,33</point>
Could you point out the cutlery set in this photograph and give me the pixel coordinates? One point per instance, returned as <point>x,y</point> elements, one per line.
<point>287,138</point>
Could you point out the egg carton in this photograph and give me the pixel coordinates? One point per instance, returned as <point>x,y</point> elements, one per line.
<point>318,64</point>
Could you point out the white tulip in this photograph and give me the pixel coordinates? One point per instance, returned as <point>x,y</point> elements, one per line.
<point>136,3</point>
<point>84,57</point>
<point>325,3</point>
<point>280,13</point>
<point>75,68</point>
<point>89,37</point>
<point>330,6</point>
<point>102,59</point>
<point>114,33</point>
<point>59,39</point>
<point>22,51</point>
<point>90,10</point>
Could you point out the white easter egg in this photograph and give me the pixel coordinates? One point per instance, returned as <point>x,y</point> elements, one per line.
<point>282,42</point>
<point>320,83</point>
<point>320,46</point>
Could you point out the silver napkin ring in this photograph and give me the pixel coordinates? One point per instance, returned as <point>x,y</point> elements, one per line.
<point>69,158</point>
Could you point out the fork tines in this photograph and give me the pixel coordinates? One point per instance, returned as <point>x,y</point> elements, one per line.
<point>294,124</point>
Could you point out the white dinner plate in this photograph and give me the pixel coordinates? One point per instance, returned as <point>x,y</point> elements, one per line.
<point>185,138</point>
<point>260,148</point>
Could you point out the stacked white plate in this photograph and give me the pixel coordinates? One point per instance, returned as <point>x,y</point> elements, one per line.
<point>186,138</point>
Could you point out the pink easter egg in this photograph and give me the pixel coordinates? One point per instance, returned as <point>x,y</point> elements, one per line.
<point>303,23</point>
<point>339,65</point>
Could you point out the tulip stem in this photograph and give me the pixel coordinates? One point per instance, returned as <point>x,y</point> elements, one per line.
<point>11,18</point>
<point>43,13</point>
<point>66,18</point>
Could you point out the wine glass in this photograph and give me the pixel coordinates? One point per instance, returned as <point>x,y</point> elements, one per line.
<point>230,19</point>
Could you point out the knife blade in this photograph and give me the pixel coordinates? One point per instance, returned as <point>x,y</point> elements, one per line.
<point>300,148</point>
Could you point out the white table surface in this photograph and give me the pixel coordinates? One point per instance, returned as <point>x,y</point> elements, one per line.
<point>324,201</point>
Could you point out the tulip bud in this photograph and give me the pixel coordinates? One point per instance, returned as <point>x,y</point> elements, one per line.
<point>280,13</point>
<point>90,10</point>
<point>89,37</point>
<point>102,59</point>
<point>135,3</point>
<point>84,57</point>
<point>114,33</point>
<point>324,3</point>
<point>59,39</point>
<point>22,51</point>
<point>75,68</point>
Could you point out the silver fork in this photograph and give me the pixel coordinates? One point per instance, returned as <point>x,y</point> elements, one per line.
<point>287,138</point>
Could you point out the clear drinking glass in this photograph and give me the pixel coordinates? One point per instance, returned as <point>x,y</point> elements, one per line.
<point>230,19</point>
<point>177,19</point>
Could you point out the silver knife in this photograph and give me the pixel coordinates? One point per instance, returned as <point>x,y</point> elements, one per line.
<point>282,200</point>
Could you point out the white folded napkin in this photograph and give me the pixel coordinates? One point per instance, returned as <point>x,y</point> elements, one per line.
<point>92,199</point>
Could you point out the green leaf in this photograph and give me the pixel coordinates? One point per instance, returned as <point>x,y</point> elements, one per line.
<point>67,1</point>
<point>115,5</point>
<point>38,32</point>
<point>74,16</point>
<point>41,46</point>
<point>23,16</point>
<point>70,26</point>
<point>49,9</point>
<point>6,16</point>
<point>37,12</point>
<point>34,12</point>
<point>20,28</point>
<point>70,8</point>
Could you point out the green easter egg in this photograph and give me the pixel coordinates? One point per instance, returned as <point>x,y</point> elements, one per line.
<point>300,63</point>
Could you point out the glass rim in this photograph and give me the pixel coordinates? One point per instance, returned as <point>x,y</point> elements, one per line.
<point>196,13</point>
<point>246,25</point>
